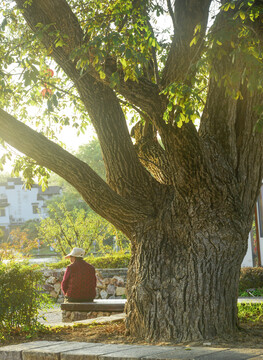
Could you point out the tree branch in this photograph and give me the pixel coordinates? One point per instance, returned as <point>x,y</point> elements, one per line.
<point>187,15</point>
<point>230,115</point>
<point>101,198</point>
<point>169,5</point>
<point>150,152</point>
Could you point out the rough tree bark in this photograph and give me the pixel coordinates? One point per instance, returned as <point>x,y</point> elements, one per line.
<point>187,208</point>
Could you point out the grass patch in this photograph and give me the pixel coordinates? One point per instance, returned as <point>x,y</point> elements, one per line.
<point>250,312</point>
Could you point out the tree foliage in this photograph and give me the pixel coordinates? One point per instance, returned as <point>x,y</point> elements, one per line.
<point>17,245</point>
<point>65,229</point>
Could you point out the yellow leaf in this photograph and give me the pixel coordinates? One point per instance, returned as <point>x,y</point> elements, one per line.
<point>194,41</point>
<point>242,15</point>
<point>49,50</point>
<point>102,74</point>
<point>226,7</point>
<point>238,95</point>
<point>197,28</point>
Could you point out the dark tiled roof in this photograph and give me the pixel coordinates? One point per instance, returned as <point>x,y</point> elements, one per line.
<point>15,181</point>
<point>51,190</point>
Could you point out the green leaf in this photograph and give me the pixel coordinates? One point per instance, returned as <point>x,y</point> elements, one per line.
<point>4,23</point>
<point>128,53</point>
<point>55,100</point>
<point>60,43</point>
<point>123,62</point>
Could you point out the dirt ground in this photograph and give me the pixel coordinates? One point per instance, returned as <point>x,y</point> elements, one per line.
<point>250,335</point>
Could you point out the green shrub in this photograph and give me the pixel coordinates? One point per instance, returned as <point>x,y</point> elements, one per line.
<point>59,265</point>
<point>250,312</point>
<point>20,298</point>
<point>110,261</point>
<point>251,278</point>
<point>115,261</point>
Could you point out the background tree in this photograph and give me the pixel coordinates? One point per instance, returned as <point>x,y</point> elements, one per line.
<point>31,227</point>
<point>91,154</point>
<point>17,245</point>
<point>186,205</point>
<point>65,229</point>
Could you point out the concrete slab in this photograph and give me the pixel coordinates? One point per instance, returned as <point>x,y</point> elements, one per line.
<point>93,353</point>
<point>52,352</point>
<point>208,354</point>
<point>135,352</point>
<point>235,354</point>
<point>63,350</point>
<point>257,299</point>
<point>14,352</point>
<point>166,352</point>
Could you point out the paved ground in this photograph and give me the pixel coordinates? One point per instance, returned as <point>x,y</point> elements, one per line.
<point>62,350</point>
<point>53,316</point>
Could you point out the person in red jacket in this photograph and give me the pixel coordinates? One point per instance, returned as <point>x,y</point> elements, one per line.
<point>79,281</point>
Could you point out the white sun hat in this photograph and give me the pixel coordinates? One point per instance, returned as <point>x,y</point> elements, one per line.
<point>76,252</point>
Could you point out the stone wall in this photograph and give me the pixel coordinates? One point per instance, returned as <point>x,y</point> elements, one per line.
<point>111,283</point>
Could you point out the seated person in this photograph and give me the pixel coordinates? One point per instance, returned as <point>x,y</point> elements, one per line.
<point>79,281</point>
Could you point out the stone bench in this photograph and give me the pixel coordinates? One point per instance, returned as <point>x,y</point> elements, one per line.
<point>88,310</point>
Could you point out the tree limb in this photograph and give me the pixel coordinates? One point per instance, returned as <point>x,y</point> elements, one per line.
<point>150,152</point>
<point>230,116</point>
<point>187,15</point>
<point>169,5</point>
<point>121,212</point>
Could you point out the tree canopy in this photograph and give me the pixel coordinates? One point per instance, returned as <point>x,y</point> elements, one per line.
<point>184,195</point>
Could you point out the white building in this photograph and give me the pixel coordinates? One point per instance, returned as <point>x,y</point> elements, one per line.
<point>18,204</point>
<point>254,255</point>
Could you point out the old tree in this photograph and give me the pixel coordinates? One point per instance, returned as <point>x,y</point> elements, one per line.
<point>183,194</point>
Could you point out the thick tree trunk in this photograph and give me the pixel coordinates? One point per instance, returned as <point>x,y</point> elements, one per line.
<point>183,278</point>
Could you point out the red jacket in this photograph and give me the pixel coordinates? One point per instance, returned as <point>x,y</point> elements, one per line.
<point>79,281</point>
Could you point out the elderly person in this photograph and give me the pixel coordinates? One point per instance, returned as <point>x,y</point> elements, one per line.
<point>79,281</point>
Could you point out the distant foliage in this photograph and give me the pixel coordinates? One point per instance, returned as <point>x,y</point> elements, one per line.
<point>110,261</point>
<point>114,261</point>
<point>251,278</point>
<point>65,229</point>
<point>17,245</point>
<point>20,298</point>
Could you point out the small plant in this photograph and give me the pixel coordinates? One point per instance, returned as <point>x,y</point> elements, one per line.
<point>20,299</point>
<point>251,293</point>
<point>250,312</point>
